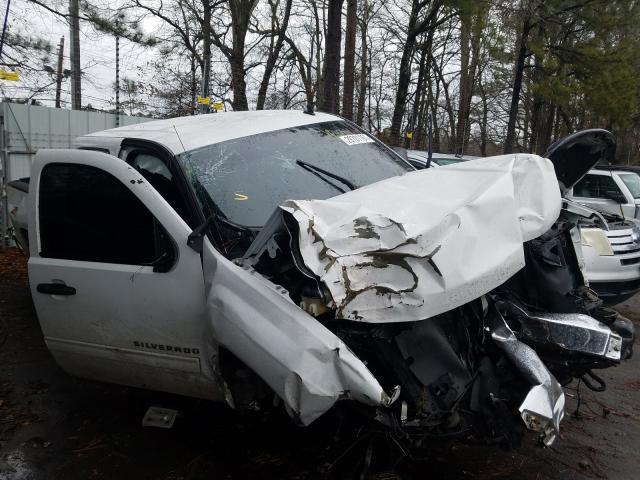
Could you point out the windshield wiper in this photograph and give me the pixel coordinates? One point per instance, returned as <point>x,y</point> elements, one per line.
<point>314,169</point>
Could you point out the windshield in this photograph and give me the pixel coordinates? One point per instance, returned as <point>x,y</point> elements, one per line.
<point>248,177</point>
<point>632,181</point>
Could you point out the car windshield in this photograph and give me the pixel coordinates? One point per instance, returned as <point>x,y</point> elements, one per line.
<point>632,181</point>
<point>247,178</point>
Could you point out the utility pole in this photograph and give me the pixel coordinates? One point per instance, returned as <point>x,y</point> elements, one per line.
<point>206,55</point>
<point>59,71</point>
<point>204,87</point>
<point>74,24</point>
<point>117,80</point>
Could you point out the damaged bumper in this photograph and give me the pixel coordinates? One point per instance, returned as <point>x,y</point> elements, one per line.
<point>570,332</point>
<point>543,408</point>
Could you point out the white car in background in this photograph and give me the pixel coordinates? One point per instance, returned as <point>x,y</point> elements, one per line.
<point>419,158</point>
<point>611,243</point>
<point>609,190</point>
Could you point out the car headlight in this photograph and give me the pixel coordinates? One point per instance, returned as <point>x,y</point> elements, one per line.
<point>597,239</point>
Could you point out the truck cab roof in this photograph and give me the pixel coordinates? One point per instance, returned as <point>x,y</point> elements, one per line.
<point>183,134</point>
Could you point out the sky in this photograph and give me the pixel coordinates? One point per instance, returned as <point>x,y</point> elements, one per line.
<point>97,52</point>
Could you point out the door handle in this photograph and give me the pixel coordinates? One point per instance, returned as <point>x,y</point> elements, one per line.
<point>55,289</point>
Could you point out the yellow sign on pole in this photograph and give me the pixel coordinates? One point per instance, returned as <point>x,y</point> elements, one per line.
<point>203,100</point>
<point>409,135</point>
<point>218,106</point>
<point>10,76</point>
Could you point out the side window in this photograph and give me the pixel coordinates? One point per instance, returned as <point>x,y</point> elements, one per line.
<point>156,172</point>
<point>87,214</point>
<point>596,186</point>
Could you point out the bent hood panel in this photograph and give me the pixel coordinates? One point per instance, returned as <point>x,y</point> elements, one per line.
<point>411,247</point>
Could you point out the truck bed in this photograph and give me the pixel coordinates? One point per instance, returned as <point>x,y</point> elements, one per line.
<point>17,195</point>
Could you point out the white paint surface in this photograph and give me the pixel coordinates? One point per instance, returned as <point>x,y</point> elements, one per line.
<point>411,247</point>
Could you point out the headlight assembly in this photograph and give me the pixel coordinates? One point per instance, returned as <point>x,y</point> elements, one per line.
<point>596,238</point>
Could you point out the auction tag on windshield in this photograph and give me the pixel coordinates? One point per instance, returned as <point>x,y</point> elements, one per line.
<point>356,139</point>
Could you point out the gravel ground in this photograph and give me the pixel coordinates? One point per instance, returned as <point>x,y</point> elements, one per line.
<point>53,426</point>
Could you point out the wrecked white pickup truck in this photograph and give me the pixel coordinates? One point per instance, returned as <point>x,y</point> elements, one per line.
<point>231,256</point>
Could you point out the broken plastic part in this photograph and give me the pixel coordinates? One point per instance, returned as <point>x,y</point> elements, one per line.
<point>313,306</point>
<point>159,417</point>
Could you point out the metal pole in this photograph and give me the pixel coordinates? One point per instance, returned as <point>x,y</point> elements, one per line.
<point>117,81</point>
<point>204,87</point>
<point>74,27</point>
<point>59,72</point>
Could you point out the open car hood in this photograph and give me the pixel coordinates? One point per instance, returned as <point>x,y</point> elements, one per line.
<point>573,156</point>
<point>414,246</point>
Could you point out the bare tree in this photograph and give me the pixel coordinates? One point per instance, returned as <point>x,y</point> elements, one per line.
<point>349,59</point>
<point>521,49</point>
<point>423,16</point>
<point>471,27</point>
<point>279,23</point>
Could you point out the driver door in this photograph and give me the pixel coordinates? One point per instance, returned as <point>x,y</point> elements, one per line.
<point>119,295</point>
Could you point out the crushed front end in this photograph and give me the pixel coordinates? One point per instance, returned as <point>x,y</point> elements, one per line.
<point>467,307</point>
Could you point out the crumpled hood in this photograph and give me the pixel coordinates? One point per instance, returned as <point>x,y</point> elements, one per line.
<point>411,247</point>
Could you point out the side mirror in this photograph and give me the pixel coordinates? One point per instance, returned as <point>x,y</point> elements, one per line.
<point>196,238</point>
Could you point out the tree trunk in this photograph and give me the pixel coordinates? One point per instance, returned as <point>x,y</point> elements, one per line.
<point>427,94</point>
<point>331,76</point>
<point>471,31</point>
<point>510,139</point>
<point>349,59</point>
<point>364,73</point>
<point>466,82</point>
<point>484,121</point>
<point>241,11</point>
<point>435,125</point>
<point>319,85</point>
<point>274,52</point>
<point>404,78</point>
<point>448,107</point>
<point>417,97</point>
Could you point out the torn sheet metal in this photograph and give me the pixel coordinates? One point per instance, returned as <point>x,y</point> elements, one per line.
<point>543,408</point>
<point>411,247</point>
<point>302,361</point>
